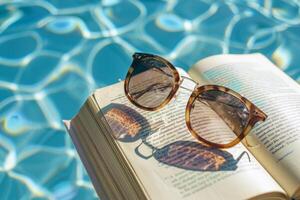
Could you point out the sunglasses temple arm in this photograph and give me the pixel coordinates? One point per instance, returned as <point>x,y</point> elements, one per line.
<point>187,78</point>
<point>189,89</point>
<point>182,78</point>
<point>142,92</point>
<point>162,71</point>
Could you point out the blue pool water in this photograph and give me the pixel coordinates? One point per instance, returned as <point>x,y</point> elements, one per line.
<point>54,53</point>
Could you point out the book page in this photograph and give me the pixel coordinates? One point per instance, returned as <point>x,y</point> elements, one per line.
<point>89,164</point>
<point>170,163</point>
<point>260,81</point>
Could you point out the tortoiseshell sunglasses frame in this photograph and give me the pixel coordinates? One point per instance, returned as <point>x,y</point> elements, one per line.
<point>255,114</point>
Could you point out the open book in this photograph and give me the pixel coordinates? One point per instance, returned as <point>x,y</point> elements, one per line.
<point>131,154</point>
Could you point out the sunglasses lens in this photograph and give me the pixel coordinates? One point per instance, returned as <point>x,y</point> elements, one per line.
<point>218,117</point>
<point>151,82</point>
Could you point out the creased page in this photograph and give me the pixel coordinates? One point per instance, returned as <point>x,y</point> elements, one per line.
<point>278,96</point>
<point>170,163</point>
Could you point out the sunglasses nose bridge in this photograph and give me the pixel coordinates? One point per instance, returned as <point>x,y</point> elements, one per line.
<point>188,85</point>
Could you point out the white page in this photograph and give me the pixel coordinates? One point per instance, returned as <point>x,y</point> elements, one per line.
<point>278,96</point>
<point>219,175</point>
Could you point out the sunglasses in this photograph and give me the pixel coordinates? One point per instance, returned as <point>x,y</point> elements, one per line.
<point>215,115</point>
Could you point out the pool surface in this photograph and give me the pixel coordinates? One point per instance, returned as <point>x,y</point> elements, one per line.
<point>54,53</point>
